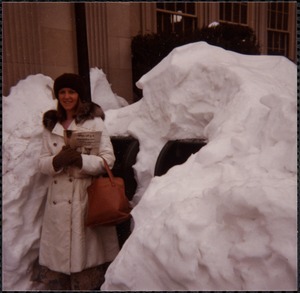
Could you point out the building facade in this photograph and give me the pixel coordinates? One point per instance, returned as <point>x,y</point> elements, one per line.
<point>41,37</point>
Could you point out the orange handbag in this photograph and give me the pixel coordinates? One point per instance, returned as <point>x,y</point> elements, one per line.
<point>107,202</point>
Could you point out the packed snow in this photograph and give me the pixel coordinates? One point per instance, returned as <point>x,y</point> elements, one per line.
<point>224,220</point>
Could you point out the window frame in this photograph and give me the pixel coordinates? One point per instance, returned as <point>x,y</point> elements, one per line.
<point>164,12</point>
<point>278,31</point>
<point>232,20</point>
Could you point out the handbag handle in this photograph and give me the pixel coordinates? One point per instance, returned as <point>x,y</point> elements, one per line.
<point>110,174</point>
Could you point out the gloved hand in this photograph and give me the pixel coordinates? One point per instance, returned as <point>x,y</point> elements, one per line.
<point>67,157</point>
<point>77,160</point>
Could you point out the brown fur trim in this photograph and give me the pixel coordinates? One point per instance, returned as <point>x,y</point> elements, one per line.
<point>88,110</point>
<point>50,119</point>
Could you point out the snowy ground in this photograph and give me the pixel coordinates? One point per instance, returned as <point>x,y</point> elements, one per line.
<point>224,220</point>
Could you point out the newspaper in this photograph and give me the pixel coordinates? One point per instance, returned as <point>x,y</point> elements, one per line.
<point>86,142</point>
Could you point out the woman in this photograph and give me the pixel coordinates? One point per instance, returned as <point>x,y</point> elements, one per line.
<point>72,256</point>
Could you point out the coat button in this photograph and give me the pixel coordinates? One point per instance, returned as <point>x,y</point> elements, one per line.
<point>70,201</point>
<point>54,202</point>
<point>70,179</point>
<point>55,144</point>
<point>55,182</point>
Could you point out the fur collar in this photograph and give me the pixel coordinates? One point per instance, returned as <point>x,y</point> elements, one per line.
<point>89,110</point>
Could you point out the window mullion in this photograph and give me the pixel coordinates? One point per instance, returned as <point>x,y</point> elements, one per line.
<point>276,15</point>
<point>171,17</point>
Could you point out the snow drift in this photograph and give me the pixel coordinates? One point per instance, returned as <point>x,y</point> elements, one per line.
<point>225,219</point>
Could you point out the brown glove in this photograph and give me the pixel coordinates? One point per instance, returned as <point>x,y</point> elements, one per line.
<point>67,157</point>
<point>77,160</point>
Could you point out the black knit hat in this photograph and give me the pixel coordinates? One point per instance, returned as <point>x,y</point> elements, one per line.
<point>70,80</point>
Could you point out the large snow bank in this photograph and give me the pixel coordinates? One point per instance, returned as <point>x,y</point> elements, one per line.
<point>24,187</point>
<point>226,219</point>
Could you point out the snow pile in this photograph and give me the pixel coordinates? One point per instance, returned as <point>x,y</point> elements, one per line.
<point>24,188</point>
<point>226,219</point>
<point>101,91</point>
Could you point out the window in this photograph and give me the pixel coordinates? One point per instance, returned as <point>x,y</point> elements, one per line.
<point>278,35</point>
<point>234,12</point>
<point>176,17</point>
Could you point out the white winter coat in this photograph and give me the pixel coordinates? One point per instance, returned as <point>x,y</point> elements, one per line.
<point>66,245</point>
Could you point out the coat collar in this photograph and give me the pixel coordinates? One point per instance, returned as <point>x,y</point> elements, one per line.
<point>59,129</point>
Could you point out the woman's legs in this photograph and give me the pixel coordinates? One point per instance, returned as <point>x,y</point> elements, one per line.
<point>89,279</point>
<point>52,280</point>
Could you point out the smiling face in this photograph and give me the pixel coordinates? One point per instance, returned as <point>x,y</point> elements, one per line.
<point>68,98</point>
